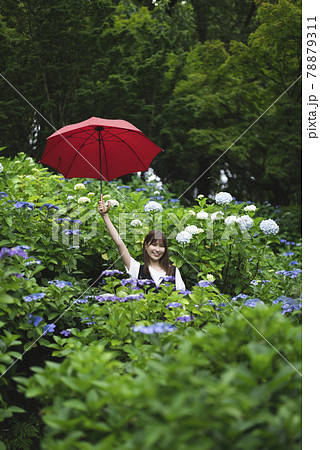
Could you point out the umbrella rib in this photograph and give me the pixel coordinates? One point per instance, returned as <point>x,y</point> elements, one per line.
<point>145,168</point>
<point>78,152</point>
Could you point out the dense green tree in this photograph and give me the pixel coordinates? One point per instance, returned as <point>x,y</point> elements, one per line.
<point>192,75</point>
<point>216,103</point>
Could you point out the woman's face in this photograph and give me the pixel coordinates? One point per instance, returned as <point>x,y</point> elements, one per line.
<point>155,250</point>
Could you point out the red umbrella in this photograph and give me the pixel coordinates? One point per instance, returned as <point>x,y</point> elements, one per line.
<point>99,148</point>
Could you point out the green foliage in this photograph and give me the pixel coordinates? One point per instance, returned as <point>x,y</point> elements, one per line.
<point>228,373</point>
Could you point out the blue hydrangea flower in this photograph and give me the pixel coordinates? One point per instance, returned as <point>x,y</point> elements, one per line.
<point>289,273</point>
<point>33,261</point>
<point>35,320</point>
<point>24,205</point>
<point>48,328</point>
<point>32,297</point>
<point>241,296</point>
<point>89,318</point>
<point>3,194</point>
<point>141,189</point>
<point>80,301</point>
<point>60,283</point>
<point>63,219</point>
<point>123,187</point>
<point>173,305</point>
<point>74,232</point>
<point>288,253</point>
<point>252,302</point>
<point>293,263</point>
<point>254,282</point>
<point>160,327</point>
<point>49,206</point>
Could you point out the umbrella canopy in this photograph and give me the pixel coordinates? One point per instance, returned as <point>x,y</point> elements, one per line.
<point>99,148</point>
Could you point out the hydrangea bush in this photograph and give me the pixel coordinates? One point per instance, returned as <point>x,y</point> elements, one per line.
<point>139,366</point>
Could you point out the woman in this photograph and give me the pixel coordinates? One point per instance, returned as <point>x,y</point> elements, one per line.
<point>155,254</point>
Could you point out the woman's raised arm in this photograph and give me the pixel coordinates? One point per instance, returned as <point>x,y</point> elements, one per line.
<point>123,251</point>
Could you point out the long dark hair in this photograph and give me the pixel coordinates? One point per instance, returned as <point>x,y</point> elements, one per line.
<point>153,237</point>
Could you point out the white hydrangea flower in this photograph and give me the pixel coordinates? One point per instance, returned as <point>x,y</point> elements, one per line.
<point>200,230</point>
<point>136,223</point>
<point>223,198</point>
<point>210,277</point>
<point>230,220</point>
<point>200,196</point>
<point>217,215</point>
<point>250,208</point>
<point>91,194</point>
<point>202,215</point>
<point>191,212</point>
<point>106,196</point>
<point>113,202</point>
<point>156,193</point>
<point>192,229</point>
<point>245,222</point>
<point>70,197</point>
<point>184,237</point>
<point>79,186</point>
<point>269,227</point>
<point>84,200</point>
<point>1,168</point>
<point>153,206</point>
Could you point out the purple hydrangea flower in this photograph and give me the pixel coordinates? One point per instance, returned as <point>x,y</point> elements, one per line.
<point>184,319</point>
<point>204,283</point>
<point>107,298</point>
<point>111,273</point>
<point>131,297</point>
<point>32,297</point>
<point>173,305</point>
<point>65,333</point>
<point>185,292</point>
<point>145,282</point>
<point>160,327</point>
<point>19,251</point>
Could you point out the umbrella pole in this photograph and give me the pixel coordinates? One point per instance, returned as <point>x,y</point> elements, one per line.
<point>99,131</point>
